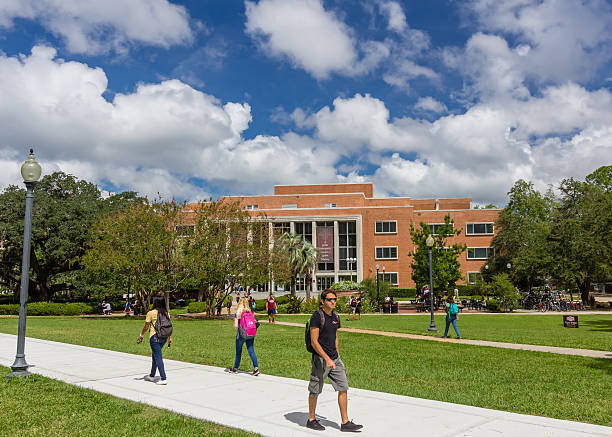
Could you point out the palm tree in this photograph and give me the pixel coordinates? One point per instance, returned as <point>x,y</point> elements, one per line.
<point>302,258</point>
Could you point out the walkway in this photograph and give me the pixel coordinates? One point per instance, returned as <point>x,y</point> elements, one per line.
<point>280,409</point>
<point>527,347</point>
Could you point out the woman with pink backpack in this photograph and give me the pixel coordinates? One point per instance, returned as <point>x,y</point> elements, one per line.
<point>244,321</point>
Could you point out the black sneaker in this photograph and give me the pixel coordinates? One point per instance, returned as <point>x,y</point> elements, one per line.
<point>350,427</point>
<point>314,424</point>
<point>255,372</point>
<point>233,370</point>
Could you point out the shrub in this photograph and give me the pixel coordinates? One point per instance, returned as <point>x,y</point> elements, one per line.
<point>294,305</point>
<point>311,305</point>
<point>402,292</point>
<point>76,308</point>
<point>9,309</point>
<point>345,286</point>
<point>45,309</point>
<point>342,305</point>
<point>281,309</point>
<point>196,307</point>
<point>504,291</point>
<point>368,306</point>
<point>493,305</point>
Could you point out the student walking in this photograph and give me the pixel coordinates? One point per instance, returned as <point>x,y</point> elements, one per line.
<point>452,314</point>
<point>357,307</point>
<point>326,362</point>
<point>246,328</point>
<point>272,308</point>
<point>157,340</point>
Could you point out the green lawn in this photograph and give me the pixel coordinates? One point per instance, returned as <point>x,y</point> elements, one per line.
<point>560,386</point>
<point>595,331</point>
<point>38,406</point>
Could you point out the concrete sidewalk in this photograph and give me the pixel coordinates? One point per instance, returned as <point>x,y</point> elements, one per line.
<point>500,344</point>
<point>270,405</point>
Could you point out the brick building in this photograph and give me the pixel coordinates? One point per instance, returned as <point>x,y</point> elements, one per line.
<point>355,231</point>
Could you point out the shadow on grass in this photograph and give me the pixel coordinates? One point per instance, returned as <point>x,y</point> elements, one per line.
<point>601,325</point>
<point>604,364</point>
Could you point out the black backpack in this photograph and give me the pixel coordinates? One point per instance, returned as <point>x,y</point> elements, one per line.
<point>163,326</point>
<point>307,337</point>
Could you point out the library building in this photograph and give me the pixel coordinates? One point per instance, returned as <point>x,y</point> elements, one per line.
<point>355,232</point>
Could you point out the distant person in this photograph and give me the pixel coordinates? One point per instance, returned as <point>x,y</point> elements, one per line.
<point>106,308</point>
<point>456,294</point>
<point>127,308</point>
<point>353,306</point>
<point>156,341</point>
<point>271,307</point>
<point>228,304</point>
<point>483,303</point>
<point>245,324</point>
<point>326,363</point>
<point>452,314</point>
<point>357,307</point>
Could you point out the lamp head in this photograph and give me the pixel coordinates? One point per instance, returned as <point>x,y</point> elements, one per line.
<point>486,266</point>
<point>30,170</point>
<point>508,265</point>
<point>377,267</point>
<point>429,241</point>
<point>383,269</point>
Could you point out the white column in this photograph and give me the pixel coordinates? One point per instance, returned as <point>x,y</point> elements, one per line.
<point>359,232</point>
<point>271,246</point>
<point>314,271</point>
<point>336,251</point>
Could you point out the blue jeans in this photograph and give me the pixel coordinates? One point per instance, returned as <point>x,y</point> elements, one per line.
<point>454,322</point>
<point>156,354</point>
<point>250,348</point>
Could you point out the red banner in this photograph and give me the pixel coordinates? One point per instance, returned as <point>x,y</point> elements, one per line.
<point>325,244</point>
<point>570,321</point>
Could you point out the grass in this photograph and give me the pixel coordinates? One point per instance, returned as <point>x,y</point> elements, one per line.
<point>595,330</point>
<point>560,386</point>
<point>55,408</point>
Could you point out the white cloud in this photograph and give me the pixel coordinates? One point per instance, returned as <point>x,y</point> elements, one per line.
<point>395,15</point>
<point>304,32</point>
<point>101,26</point>
<point>430,104</point>
<point>154,139</point>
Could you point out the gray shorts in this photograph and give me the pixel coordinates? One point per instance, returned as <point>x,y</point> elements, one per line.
<point>320,371</point>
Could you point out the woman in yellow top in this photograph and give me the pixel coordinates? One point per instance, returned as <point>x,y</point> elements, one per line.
<point>159,306</point>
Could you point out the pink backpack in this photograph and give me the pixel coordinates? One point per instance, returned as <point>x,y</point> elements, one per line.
<point>247,326</point>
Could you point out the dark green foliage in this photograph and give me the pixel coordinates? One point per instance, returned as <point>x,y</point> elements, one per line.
<point>445,258</point>
<point>196,307</point>
<point>294,304</point>
<point>402,292</point>
<point>50,309</point>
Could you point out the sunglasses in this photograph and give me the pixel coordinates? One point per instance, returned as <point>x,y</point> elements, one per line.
<point>330,299</point>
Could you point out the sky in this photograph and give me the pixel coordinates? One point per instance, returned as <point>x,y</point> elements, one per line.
<point>201,98</point>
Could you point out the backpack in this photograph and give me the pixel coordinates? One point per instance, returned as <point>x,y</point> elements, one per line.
<point>453,310</point>
<point>247,327</point>
<point>307,337</point>
<point>163,326</point>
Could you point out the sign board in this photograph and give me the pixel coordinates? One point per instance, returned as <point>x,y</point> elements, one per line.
<point>570,321</point>
<point>325,244</point>
<point>125,296</point>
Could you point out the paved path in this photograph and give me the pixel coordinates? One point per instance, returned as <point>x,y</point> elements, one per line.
<point>280,406</point>
<point>528,347</point>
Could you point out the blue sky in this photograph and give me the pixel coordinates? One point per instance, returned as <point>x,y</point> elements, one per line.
<point>209,97</point>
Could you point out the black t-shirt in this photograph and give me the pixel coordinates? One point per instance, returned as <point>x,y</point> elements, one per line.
<point>327,334</point>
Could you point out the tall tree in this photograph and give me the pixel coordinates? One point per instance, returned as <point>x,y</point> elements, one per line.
<point>522,240</point>
<point>302,257</point>
<point>229,247</point>
<point>64,210</point>
<point>581,237</point>
<point>445,259</point>
<point>139,244</point>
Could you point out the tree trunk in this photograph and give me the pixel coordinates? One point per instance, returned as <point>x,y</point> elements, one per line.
<point>200,293</point>
<point>308,286</point>
<point>292,288</point>
<point>585,287</point>
<point>167,300</point>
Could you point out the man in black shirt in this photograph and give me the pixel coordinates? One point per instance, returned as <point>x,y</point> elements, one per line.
<point>326,362</point>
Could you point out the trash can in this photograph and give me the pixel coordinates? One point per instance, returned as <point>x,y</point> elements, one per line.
<point>394,307</point>
<point>387,308</point>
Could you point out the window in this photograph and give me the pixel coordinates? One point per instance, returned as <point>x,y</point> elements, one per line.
<point>480,252</point>
<point>386,252</point>
<point>389,277</point>
<point>184,230</point>
<point>325,244</point>
<point>304,229</point>
<point>434,227</point>
<point>252,206</point>
<point>388,227</point>
<point>479,229</point>
<point>330,205</point>
<point>290,206</point>
<point>280,228</point>
<point>347,245</point>
<point>474,277</point>
<point>324,282</point>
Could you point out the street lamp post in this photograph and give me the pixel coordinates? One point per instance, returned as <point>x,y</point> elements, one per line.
<point>432,324</point>
<point>377,290</point>
<point>351,265</point>
<point>30,171</point>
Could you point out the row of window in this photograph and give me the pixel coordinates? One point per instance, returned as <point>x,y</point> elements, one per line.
<point>290,206</point>
<point>390,227</point>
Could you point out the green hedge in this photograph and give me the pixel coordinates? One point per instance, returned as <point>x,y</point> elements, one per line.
<point>196,307</point>
<point>50,309</point>
<point>402,292</point>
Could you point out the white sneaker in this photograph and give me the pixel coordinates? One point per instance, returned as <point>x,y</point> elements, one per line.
<point>149,378</point>
<point>162,382</point>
